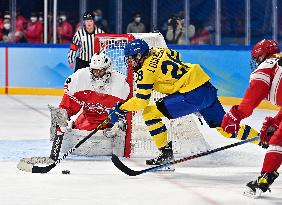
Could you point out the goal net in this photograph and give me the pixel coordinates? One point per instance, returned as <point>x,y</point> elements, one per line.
<point>183,132</point>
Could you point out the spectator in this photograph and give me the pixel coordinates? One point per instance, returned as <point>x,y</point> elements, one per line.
<point>83,43</point>
<point>100,22</point>
<point>21,22</point>
<point>40,17</point>
<point>1,20</point>
<point>64,29</point>
<point>7,15</point>
<point>1,26</point>
<point>176,30</point>
<point>34,30</point>
<point>202,35</point>
<point>7,36</point>
<point>136,26</point>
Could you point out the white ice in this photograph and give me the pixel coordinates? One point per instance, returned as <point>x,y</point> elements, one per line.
<point>215,179</point>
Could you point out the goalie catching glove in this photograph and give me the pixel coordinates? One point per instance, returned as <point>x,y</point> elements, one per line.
<point>116,113</point>
<point>59,118</point>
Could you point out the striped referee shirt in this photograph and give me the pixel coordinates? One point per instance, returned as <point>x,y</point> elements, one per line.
<point>83,43</point>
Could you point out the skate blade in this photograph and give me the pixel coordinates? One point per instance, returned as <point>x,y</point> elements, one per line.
<point>170,168</point>
<point>250,193</point>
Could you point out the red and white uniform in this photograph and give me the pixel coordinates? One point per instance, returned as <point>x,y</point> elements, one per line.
<point>266,82</point>
<point>89,103</point>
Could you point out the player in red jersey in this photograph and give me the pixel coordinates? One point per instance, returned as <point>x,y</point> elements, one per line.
<point>265,82</point>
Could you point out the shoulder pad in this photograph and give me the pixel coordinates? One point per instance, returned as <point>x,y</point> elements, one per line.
<point>268,63</point>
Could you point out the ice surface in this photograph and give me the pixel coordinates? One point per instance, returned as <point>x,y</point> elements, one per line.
<point>215,179</point>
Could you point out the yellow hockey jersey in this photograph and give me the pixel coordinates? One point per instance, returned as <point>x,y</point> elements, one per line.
<point>164,72</point>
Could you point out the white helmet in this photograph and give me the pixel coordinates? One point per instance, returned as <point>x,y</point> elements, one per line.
<point>101,62</point>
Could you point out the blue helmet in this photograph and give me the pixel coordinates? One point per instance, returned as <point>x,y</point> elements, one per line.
<point>136,46</point>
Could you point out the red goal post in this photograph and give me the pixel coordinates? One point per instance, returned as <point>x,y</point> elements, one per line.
<point>118,41</point>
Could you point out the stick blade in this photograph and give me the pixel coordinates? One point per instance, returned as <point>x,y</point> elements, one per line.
<point>122,167</point>
<point>42,170</point>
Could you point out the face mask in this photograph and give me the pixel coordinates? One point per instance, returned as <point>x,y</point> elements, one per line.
<point>97,18</point>
<point>137,19</point>
<point>33,19</point>
<point>41,19</point>
<point>63,18</point>
<point>7,26</point>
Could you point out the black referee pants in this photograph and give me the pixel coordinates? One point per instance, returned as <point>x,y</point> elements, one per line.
<point>80,64</point>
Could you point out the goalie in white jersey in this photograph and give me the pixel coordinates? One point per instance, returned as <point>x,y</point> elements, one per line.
<point>89,94</point>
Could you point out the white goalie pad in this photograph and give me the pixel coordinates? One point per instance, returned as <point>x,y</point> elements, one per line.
<point>26,164</point>
<point>103,143</point>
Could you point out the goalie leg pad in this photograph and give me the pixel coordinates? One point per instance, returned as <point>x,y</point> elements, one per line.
<point>26,164</point>
<point>100,144</point>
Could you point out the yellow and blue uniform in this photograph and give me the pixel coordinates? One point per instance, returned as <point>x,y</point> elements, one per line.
<point>187,87</point>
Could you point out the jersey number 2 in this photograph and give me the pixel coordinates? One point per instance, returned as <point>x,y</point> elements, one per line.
<point>176,71</point>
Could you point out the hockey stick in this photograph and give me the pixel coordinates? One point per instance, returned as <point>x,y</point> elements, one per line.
<point>45,169</point>
<point>131,172</point>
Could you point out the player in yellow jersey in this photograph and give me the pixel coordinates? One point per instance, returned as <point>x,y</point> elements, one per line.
<point>188,91</point>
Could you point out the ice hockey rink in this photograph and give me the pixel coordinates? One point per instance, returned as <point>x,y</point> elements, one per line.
<point>216,179</point>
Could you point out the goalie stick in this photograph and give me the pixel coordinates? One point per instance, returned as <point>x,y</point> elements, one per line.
<point>131,172</point>
<point>45,169</point>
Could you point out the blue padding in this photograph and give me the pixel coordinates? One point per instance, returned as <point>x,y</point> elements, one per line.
<point>158,131</point>
<point>145,97</point>
<point>151,122</point>
<point>145,86</point>
<point>246,132</point>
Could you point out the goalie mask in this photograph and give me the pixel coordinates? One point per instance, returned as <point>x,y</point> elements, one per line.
<point>100,69</point>
<point>263,50</point>
<point>135,52</point>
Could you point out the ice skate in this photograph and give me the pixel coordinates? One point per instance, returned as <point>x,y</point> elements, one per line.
<point>165,156</point>
<point>256,188</point>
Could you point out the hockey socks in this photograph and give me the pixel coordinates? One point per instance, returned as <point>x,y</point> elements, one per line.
<point>245,132</point>
<point>272,160</point>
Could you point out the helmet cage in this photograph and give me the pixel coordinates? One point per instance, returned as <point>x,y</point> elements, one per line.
<point>135,61</point>
<point>100,69</point>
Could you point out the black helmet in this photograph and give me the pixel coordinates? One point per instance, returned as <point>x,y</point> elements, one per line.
<point>88,16</point>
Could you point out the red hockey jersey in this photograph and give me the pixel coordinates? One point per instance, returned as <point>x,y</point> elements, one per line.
<point>265,83</point>
<point>90,103</point>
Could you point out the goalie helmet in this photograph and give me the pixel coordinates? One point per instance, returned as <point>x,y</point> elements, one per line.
<point>135,51</point>
<point>263,50</point>
<point>100,69</point>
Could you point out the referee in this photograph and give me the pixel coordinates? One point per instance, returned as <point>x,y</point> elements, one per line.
<point>83,43</point>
